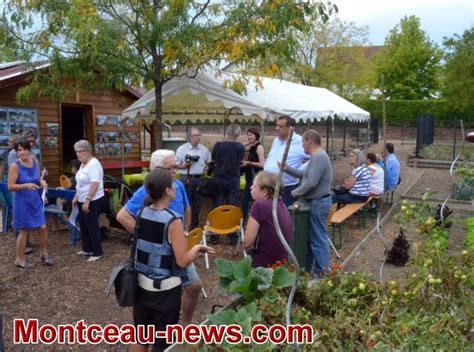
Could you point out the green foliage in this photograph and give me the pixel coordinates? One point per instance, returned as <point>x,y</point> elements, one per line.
<point>469,222</point>
<point>458,86</point>
<point>464,189</point>
<point>433,310</point>
<point>410,62</point>
<point>109,43</point>
<point>405,112</point>
<point>420,213</point>
<point>250,283</point>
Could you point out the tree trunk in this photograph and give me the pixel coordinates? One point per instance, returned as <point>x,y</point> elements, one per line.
<point>158,125</point>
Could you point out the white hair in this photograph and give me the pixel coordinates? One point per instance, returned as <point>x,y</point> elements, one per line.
<point>158,157</point>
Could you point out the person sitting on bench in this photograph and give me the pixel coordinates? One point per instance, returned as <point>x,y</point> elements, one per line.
<point>377,175</point>
<point>357,187</point>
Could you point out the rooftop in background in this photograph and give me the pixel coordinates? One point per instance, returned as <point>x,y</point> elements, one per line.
<point>16,72</point>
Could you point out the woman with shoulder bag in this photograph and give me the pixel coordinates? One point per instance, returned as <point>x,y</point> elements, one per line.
<point>160,258</point>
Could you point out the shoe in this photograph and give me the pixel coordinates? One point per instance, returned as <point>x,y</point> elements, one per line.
<point>28,250</point>
<point>23,266</point>
<point>87,254</point>
<point>214,240</point>
<point>47,260</point>
<point>93,259</point>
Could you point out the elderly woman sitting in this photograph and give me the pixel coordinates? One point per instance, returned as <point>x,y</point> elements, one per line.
<point>377,175</point>
<point>357,187</point>
<point>261,239</point>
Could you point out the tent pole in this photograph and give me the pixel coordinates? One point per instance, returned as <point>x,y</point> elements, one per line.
<point>333,155</point>
<point>262,134</point>
<point>122,127</point>
<point>327,134</point>
<point>368,133</point>
<point>344,137</point>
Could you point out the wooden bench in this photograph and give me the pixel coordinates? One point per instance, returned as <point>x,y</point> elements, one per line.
<point>338,217</point>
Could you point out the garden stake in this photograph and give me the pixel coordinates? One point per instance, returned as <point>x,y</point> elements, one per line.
<point>451,170</point>
<point>282,238</point>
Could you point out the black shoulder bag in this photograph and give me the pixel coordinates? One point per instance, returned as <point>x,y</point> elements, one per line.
<point>124,276</point>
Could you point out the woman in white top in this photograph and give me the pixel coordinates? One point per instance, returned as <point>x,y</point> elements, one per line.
<point>89,197</point>
<point>377,175</point>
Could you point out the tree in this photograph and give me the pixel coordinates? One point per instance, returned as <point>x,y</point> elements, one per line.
<point>458,85</point>
<point>109,42</point>
<point>331,55</point>
<point>410,62</point>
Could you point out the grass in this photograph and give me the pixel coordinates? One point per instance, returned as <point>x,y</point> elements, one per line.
<point>445,152</point>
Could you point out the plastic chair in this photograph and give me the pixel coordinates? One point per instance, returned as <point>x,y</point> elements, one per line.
<point>64,182</point>
<point>194,238</point>
<point>6,200</point>
<point>224,220</point>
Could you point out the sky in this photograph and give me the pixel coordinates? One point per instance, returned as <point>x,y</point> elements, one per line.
<point>439,18</point>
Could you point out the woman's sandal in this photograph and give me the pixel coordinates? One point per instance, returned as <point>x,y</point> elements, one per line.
<point>23,266</point>
<point>47,260</point>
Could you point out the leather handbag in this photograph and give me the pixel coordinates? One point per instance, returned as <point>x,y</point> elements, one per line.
<point>124,277</point>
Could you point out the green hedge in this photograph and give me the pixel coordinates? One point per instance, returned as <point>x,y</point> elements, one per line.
<point>404,112</point>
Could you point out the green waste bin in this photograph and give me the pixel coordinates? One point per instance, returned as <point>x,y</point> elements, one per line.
<point>299,212</point>
<point>173,143</point>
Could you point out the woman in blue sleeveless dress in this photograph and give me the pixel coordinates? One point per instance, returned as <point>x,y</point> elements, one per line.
<point>28,212</point>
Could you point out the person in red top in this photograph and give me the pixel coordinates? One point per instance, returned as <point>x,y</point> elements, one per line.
<point>261,239</point>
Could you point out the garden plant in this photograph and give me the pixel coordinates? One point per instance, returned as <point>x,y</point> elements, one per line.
<point>432,309</point>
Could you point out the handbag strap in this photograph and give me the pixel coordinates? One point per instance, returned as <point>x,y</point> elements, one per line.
<point>135,234</point>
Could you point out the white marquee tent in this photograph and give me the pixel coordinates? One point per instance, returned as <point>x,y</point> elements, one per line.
<point>204,97</point>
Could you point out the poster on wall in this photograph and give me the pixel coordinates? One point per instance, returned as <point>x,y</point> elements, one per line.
<point>52,129</point>
<point>51,142</point>
<point>15,121</point>
<point>100,120</point>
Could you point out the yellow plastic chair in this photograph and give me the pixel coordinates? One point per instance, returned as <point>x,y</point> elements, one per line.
<point>224,220</point>
<point>64,182</point>
<point>194,238</point>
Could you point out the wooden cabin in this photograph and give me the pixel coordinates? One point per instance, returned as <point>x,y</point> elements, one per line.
<point>92,116</point>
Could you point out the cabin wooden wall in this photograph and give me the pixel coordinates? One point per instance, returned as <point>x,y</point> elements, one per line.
<point>107,102</point>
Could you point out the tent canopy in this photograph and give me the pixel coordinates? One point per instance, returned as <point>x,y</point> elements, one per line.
<point>204,97</point>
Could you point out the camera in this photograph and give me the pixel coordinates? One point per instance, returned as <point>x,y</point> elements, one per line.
<point>191,158</point>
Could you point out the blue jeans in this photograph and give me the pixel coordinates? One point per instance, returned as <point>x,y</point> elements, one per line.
<point>347,198</point>
<point>318,244</point>
<point>288,199</point>
<point>231,192</point>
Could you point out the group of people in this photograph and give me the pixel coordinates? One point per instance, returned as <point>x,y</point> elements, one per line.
<point>164,209</point>
<point>21,170</point>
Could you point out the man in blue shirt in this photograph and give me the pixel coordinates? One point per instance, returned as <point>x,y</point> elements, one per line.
<point>393,166</point>
<point>180,204</point>
<point>296,156</point>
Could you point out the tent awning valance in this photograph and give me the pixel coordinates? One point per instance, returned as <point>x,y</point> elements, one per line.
<point>205,95</point>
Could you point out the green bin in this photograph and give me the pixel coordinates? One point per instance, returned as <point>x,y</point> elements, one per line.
<point>173,143</point>
<point>299,212</point>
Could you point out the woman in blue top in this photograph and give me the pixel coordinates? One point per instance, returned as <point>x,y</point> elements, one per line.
<point>28,213</point>
<point>357,186</point>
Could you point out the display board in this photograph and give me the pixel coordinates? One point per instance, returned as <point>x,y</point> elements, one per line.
<point>109,143</point>
<point>16,121</point>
